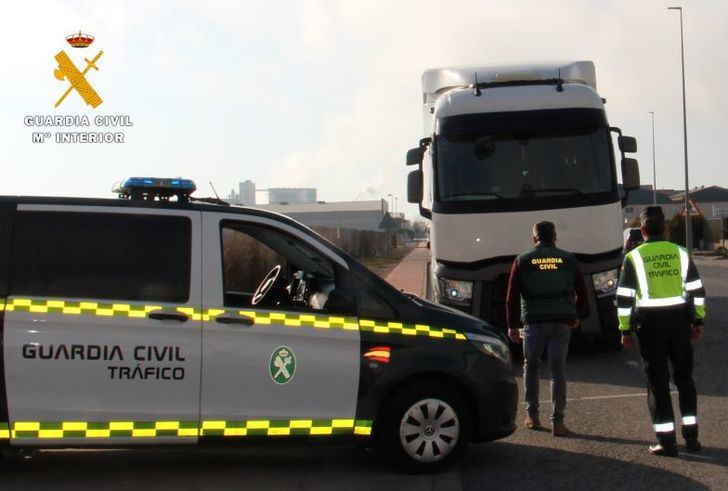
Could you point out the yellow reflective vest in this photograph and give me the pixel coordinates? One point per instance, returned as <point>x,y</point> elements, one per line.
<point>658,274</point>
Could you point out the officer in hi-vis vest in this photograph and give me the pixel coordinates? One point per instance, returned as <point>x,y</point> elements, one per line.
<point>661,295</point>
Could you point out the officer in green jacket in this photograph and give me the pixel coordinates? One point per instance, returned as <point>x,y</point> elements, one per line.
<point>548,297</point>
<point>660,295</point>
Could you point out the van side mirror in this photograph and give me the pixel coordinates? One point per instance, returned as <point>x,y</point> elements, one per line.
<point>415,155</point>
<point>414,186</point>
<point>627,144</point>
<point>630,174</point>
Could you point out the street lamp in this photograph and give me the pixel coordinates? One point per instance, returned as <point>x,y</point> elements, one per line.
<point>654,168</point>
<point>390,204</point>
<point>688,213</point>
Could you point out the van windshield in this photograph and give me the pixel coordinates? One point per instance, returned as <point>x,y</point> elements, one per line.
<point>524,157</point>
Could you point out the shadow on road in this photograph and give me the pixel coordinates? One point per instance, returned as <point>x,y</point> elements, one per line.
<point>515,466</point>
<point>499,466</point>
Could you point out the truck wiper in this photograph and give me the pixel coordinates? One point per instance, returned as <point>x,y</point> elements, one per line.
<point>575,191</point>
<point>472,195</point>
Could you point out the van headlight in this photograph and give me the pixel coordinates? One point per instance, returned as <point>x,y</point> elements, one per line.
<point>455,291</point>
<point>606,281</point>
<point>491,346</point>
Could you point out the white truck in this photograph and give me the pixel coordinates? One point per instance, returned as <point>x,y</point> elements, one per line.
<point>505,147</point>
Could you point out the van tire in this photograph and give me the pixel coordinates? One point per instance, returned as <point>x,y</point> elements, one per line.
<point>424,428</point>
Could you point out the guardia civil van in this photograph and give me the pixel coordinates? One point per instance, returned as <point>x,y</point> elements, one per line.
<point>161,319</point>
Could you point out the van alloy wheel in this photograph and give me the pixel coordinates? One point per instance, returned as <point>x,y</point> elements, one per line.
<point>429,430</point>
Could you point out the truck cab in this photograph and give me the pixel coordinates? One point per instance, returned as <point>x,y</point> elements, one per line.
<point>503,148</point>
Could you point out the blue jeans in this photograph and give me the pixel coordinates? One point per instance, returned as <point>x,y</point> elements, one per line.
<point>554,337</point>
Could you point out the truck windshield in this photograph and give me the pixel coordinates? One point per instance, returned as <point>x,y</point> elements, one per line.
<point>545,157</point>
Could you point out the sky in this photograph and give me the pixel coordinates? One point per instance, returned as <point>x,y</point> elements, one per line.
<point>326,94</point>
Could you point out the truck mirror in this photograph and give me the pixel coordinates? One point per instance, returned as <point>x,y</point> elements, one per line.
<point>414,186</point>
<point>627,144</point>
<point>630,174</point>
<point>415,155</point>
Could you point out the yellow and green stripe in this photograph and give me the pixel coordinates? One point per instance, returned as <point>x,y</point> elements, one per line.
<point>183,429</point>
<point>285,319</point>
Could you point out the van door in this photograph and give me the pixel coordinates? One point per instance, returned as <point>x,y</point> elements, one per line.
<point>281,347</point>
<point>102,325</point>
<point>6,213</point>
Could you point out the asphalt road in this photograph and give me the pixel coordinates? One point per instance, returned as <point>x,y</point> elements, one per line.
<point>607,410</point>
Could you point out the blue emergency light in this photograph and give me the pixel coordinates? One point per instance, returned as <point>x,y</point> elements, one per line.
<point>155,188</point>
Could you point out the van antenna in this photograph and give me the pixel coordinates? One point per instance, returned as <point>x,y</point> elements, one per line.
<point>476,86</point>
<point>214,191</point>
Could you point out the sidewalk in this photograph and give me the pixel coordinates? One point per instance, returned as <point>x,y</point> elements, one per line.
<point>410,275</point>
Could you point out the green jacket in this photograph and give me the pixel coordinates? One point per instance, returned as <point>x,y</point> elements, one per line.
<point>549,284</point>
<point>658,274</point>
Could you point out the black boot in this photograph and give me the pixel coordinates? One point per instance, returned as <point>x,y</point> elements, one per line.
<point>690,434</point>
<point>693,445</point>
<point>664,450</point>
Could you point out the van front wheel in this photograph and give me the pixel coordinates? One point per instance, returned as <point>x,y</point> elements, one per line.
<point>425,428</point>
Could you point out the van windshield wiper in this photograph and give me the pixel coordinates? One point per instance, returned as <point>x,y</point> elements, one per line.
<point>575,191</point>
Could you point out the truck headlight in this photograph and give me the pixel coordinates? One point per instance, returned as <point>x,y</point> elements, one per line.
<point>491,346</point>
<point>456,291</point>
<point>606,281</point>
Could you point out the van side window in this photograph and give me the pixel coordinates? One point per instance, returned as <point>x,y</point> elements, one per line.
<point>101,255</point>
<point>246,261</point>
<point>297,277</point>
<point>372,306</point>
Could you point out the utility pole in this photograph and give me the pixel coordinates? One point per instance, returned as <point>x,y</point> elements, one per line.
<point>688,211</point>
<point>654,167</point>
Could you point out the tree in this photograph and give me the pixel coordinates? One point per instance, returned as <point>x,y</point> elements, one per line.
<point>675,229</point>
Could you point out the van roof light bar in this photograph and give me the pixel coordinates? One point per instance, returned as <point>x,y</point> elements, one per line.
<point>155,188</point>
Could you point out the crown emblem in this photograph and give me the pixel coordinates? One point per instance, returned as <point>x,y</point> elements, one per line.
<point>80,40</point>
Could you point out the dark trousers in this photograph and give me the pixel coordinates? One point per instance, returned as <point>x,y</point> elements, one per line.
<point>664,336</point>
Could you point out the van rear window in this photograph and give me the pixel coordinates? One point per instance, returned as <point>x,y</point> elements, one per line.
<point>101,256</point>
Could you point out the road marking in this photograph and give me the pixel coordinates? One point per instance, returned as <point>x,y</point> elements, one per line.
<point>598,398</point>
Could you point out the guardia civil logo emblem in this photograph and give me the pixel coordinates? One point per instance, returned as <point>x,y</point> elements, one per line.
<point>67,71</point>
<point>282,365</point>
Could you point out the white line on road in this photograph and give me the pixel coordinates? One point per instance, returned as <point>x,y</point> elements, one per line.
<point>597,398</point>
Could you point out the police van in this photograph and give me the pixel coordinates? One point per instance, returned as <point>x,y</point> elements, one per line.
<point>158,318</point>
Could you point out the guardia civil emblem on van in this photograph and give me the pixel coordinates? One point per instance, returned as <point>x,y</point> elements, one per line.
<point>282,365</point>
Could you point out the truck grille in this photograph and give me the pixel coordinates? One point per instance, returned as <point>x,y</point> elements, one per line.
<point>493,301</point>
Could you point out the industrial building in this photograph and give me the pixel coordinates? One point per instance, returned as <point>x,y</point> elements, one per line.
<point>246,195</point>
<point>354,215</point>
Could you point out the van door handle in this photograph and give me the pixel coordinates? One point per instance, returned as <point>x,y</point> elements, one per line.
<point>235,319</point>
<point>168,315</point>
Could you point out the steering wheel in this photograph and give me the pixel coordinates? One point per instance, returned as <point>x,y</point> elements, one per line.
<point>266,285</point>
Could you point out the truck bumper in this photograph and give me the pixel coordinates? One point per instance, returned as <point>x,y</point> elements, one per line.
<point>490,285</point>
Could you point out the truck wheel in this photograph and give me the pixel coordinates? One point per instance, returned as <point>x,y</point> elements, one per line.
<point>425,428</point>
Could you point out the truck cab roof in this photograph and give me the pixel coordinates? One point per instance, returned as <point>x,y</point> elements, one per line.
<point>438,80</point>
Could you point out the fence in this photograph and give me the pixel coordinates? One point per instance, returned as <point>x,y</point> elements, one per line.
<point>716,228</point>
<point>359,243</point>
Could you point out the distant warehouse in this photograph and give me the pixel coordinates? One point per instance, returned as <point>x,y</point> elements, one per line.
<point>353,215</point>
